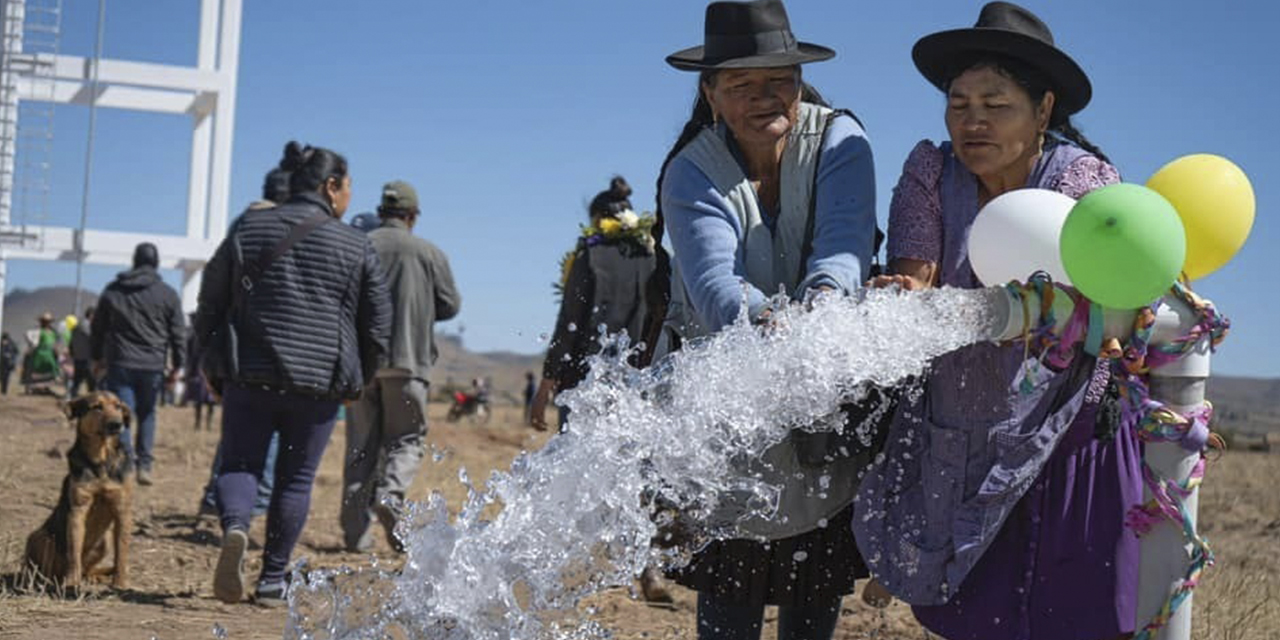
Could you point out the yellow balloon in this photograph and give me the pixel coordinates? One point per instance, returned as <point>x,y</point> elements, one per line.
<point>71,321</point>
<point>1215,201</point>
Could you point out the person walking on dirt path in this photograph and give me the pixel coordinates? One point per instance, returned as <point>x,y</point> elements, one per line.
<point>138,330</point>
<point>275,191</point>
<point>294,317</point>
<point>387,426</point>
<point>8,361</point>
<point>81,351</point>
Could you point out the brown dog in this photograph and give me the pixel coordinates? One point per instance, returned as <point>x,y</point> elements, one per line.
<point>97,494</point>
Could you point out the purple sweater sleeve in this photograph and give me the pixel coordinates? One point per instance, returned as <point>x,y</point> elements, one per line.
<point>915,212</point>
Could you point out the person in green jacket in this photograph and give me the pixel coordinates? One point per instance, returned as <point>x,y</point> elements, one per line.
<point>44,356</point>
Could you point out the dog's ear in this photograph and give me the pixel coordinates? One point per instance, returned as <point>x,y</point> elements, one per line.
<point>126,415</point>
<point>77,408</point>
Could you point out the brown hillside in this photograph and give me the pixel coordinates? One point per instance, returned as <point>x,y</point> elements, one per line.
<point>22,307</point>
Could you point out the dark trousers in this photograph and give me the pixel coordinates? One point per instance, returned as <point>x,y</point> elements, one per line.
<point>719,619</point>
<point>249,417</point>
<point>83,375</point>
<point>265,481</point>
<point>139,390</point>
<point>5,374</point>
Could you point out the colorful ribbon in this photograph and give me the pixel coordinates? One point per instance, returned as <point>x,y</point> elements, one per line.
<point>1154,421</point>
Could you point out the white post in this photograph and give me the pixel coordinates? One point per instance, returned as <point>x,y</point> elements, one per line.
<point>191,278</point>
<point>1166,554</point>
<point>12,14</point>
<point>4,273</point>
<point>202,132</point>
<point>224,112</point>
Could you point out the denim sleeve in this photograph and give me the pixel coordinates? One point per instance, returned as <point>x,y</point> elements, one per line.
<point>705,233</point>
<point>845,211</point>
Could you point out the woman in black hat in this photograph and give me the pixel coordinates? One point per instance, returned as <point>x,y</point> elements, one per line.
<point>767,187</point>
<point>1029,541</point>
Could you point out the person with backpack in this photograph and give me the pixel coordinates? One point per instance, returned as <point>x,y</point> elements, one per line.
<point>139,332</point>
<point>294,318</point>
<point>766,187</point>
<point>275,191</point>
<point>602,293</point>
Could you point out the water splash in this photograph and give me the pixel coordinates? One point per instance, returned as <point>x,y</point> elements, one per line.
<point>577,516</point>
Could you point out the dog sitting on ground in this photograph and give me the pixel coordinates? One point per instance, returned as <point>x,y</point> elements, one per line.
<point>97,495</point>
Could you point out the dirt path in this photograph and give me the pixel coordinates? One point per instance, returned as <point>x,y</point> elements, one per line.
<point>174,550</point>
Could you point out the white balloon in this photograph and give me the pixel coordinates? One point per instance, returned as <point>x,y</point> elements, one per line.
<point>1016,234</point>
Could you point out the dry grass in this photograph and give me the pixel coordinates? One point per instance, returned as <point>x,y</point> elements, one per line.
<point>174,551</point>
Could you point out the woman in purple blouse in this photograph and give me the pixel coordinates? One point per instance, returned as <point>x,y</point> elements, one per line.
<point>1000,517</point>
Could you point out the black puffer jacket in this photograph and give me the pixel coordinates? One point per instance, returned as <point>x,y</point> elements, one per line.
<point>316,322</point>
<point>138,321</point>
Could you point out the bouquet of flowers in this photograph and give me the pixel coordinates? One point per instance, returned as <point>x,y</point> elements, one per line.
<point>627,228</point>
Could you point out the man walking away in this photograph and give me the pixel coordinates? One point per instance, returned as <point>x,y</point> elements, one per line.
<point>82,357</point>
<point>137,327</point>
<point>387,427</point>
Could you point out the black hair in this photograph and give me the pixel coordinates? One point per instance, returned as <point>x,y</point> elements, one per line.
<point>146,255</point>
<point>611,201</point>
<point>1035,84</point>
<point>275,186</point>
<point>311,167</point>
<point>658,289</point>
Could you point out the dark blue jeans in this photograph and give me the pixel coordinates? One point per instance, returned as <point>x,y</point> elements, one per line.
<point>139,390</point>
<point>249,418</point>
<point>723,620</point>
<point>265,482</point>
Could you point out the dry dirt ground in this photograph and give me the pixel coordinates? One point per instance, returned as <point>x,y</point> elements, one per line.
<point>174,551</point>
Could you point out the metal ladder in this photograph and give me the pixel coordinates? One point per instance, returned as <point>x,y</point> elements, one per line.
<point>32,33</point>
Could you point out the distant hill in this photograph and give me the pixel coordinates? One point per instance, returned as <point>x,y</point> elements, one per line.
<point>22,307</point>
<point>457,366</point>
<point>1250,405</point>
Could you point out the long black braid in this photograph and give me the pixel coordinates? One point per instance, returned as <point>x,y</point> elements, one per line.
<point>658,289</point>
<point>1068,131</point>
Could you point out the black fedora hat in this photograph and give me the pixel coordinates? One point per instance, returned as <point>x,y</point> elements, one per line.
<point>739,35</point>
<point>1008,30</point>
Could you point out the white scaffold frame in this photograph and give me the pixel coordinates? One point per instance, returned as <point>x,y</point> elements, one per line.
<point>206,93</point>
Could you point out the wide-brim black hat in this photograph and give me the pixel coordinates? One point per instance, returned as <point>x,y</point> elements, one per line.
<point>1006,29</point>
<point>741,35</point>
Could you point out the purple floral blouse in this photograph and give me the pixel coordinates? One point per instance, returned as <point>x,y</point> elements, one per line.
<point>915,213</point>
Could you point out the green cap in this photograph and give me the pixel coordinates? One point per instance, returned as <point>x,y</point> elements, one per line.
<point>399,195</point>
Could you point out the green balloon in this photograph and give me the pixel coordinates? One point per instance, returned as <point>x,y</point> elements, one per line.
<point>1123,246</point>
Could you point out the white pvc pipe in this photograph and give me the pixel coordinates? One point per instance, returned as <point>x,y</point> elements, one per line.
<point>1165,555</point>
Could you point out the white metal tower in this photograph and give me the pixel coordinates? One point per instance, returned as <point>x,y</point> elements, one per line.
<point>34,77</point>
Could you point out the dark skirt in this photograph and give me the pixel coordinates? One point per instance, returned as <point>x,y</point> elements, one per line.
<point>804,570</point>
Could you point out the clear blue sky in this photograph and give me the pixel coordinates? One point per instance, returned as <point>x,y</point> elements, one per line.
<point>509,116</point>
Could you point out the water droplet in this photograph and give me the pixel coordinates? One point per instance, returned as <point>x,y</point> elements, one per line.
<point>570,522</point>
<point>800,556</point>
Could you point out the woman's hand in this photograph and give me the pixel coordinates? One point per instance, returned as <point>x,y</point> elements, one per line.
<point>904,282</point>
<point>537,412</point>
<point>908,275</point>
